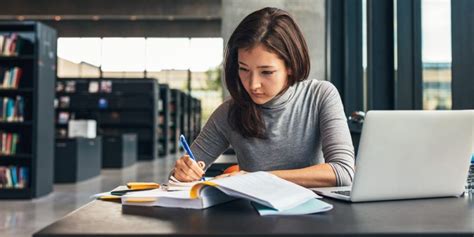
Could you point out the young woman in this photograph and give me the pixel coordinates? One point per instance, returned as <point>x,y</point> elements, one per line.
<point>277,120</point>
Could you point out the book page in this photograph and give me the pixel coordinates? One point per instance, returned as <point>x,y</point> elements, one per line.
<point>266,189</point>
<point>158,193</point>
<point>309,207</point>
<point>176,185</point>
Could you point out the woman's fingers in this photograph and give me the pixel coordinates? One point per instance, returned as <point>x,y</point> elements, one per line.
<point>185,176</point>
<point>201,164</point>
<point>187,170</point>
<point>193,166</point>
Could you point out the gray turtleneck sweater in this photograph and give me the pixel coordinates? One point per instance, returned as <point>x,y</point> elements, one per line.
<point>305,126</point>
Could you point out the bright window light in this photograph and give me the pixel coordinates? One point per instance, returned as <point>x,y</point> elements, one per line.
<point>167,54</point>
<point>123,54</point>
<point>205,53</point>
<point>79,50</point>
<point>138,54</point>
<point>436,30</point>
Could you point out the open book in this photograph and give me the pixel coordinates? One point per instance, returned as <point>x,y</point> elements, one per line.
<point>176,185</point>
<point>263,188</point>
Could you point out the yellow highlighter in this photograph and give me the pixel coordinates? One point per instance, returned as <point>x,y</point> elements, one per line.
<point>109,198</point>
<point>142,185</point>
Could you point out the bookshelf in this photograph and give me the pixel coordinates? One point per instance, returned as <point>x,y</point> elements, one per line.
<point>120,106</point>
<point>27,76</point>
<point>193,108</point>
<point>184,116</point>
<point>196,117</point>
<point>189,116</point>
<point>175,115</point>
<point>164,120</point>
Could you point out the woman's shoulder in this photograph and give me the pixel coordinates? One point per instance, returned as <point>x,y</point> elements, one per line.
<point>224,106</point>
<point>318,87</point>
<point>221,112</point>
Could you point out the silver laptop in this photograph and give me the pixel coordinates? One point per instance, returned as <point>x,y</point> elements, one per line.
<point>410,154</point>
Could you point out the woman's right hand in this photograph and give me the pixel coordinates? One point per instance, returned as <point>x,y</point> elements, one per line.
<point>188,170</point>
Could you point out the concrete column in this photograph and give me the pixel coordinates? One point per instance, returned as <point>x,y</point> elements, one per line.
<point>308,14</point>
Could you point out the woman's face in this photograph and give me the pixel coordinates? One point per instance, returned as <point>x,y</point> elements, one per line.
<point>263,74</point>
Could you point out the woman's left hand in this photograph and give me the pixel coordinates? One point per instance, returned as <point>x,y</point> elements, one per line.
<point>231,174</point>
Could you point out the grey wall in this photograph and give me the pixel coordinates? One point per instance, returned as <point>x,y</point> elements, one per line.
<point>309,15</point>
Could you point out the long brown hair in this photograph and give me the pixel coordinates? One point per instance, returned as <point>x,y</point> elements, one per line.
<point>277,31</point>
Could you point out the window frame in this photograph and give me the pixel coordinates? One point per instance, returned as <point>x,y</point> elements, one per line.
<point>462,38</point>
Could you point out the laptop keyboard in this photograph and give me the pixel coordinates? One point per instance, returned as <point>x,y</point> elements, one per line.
<point>345,193</point>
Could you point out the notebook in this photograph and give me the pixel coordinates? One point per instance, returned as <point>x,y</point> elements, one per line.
<point>262,188</point>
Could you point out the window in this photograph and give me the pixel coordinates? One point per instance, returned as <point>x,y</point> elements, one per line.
<point>169,60</point>
<point>436,54</point>
<point>364,54</point>
<point>79,57</point>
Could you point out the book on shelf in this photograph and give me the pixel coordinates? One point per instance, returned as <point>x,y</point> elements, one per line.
<point>8,143</point>
<point>59,86</point>
<point>70,87</point>
<point>12,110</point>
<point>63,117</point>
<point>172,108</point>
<point>61,132</point>
<point>115,116</point>
<point>11,44</point>
<point>10,77</point>
<point>103,103</point>
<point>93,87</point>
<point>13,177</point>
<point>64,102</point>
<point>106,86</point>
<point>160,105</point>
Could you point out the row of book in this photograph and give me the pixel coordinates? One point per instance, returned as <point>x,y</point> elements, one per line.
<point>64,117</point>
<point>94,86</point>
<point>14,177</point>
<point>8,143</point>
<point>10,44</point>
<point>12,109</point>
<point>11,77</point>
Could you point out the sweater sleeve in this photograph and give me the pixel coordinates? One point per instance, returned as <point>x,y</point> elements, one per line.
<point>336,140</point>
<point>212,140</point>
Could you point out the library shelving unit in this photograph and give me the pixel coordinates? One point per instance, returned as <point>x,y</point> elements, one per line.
<point>194,117</point>
<point>164,120</point>
<point>190,101</point>
<point>78,159</point>
<point>120,106</point>
<point>175,115</point>
<point>27,76</point>
<point>184,116</point>
<point>196,112</point>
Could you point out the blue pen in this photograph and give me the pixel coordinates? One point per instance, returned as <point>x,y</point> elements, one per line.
<point>184,144</point>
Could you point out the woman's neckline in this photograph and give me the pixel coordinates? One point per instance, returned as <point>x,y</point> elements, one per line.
<point>281,100</point>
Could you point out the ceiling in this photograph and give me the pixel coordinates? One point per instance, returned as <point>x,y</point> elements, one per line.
<point>121,18</point>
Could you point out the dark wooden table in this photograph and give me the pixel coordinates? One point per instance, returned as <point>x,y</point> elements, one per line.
<point>441,216</point>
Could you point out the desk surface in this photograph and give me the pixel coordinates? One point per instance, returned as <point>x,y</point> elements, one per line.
<point>442,216</point>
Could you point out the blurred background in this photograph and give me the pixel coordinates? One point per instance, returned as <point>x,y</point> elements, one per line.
<point>95,93</point>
